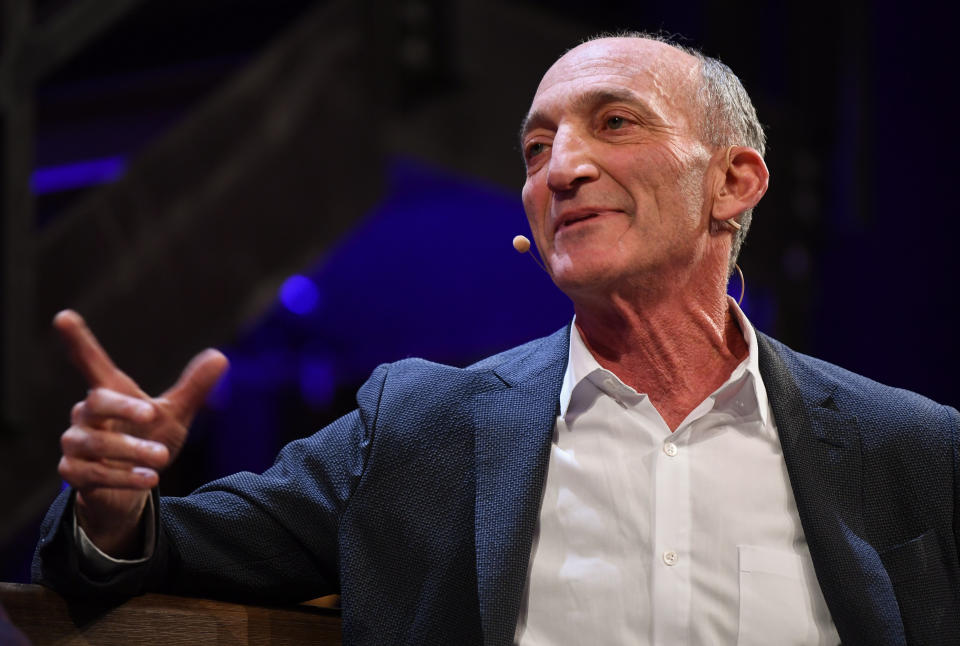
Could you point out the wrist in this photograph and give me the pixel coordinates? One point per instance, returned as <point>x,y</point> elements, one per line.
<point>117,533</point>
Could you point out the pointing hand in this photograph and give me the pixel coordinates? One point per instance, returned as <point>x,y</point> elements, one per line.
<point>120,437</point>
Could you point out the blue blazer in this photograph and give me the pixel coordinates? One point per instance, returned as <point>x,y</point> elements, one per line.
<point>420,506</point>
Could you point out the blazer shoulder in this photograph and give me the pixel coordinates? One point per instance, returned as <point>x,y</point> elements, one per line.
<point>419,384</point>
<point>871,402</point>
<point>530,358</point>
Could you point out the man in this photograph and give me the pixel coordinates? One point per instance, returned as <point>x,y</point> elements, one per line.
<point>657,472</point>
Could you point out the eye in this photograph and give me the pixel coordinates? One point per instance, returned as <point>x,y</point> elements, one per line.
<point>615,123</point>
<point>535,149</point>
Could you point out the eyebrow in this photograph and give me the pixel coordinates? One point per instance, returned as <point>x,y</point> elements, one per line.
<point>591,100</point>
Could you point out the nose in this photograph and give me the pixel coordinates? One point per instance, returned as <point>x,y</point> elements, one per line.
<point>570,162</point>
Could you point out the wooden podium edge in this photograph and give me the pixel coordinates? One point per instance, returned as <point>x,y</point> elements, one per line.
<point>165,620</point>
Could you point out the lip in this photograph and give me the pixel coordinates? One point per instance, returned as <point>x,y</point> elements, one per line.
<point>582,214</point>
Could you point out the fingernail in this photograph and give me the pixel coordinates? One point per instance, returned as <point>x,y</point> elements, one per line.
<point>142,472</point>
<point>154,447</point>
<point>144,412</point>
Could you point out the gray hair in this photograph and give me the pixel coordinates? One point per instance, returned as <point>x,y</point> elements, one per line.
<point>727,115</point>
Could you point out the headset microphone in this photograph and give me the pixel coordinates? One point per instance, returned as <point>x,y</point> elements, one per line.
<point>522,244</point>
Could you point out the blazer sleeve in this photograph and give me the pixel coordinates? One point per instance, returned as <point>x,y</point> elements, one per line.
<point>955,429</point>
<point>270,537</point>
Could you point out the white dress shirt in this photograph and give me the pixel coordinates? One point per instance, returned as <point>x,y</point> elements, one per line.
<point>652,537</point>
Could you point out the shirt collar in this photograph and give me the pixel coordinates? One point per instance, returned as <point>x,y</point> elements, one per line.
<point>581,364</point>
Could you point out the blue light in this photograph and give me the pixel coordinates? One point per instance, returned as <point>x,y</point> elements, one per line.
<point>317,381</point>
<point>299,294</point>
<point>71,176</point>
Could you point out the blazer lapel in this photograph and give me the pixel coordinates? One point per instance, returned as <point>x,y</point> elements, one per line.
<point>821,447</point>
<point>514,427</point>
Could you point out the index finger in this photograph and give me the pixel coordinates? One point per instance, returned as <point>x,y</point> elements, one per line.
<point>88,355</point>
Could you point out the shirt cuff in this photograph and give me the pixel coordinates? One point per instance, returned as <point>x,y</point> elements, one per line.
<point>97,563</point>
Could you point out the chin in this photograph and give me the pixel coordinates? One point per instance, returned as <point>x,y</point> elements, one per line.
<point>581,277</point>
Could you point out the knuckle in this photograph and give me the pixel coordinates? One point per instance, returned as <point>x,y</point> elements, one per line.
<point>68,471</point>
<point>84,443</point>
<point>76,413</point>
<point>95,444</point>
<point>71,439</point>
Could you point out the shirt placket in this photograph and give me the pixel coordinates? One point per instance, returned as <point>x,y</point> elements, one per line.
<point>671,561</point>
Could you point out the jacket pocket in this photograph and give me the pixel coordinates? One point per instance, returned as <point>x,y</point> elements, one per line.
<point>926,593</point>
<point>909,560</point>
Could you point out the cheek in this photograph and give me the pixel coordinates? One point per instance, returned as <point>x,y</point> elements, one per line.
<point>677,188</point>
<point>531,205</point>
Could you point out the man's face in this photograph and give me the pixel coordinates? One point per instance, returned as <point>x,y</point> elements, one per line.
<point>615,189</point>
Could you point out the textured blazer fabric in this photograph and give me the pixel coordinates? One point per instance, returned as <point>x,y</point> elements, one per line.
<point>420,506</point>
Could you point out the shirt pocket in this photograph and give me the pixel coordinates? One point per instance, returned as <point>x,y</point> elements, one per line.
<point>775,601</point>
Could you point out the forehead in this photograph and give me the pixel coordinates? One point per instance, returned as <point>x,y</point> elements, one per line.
<point>661,76</point>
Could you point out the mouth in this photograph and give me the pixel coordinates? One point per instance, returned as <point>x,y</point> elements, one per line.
<point>579,218</point>
<point>574,218</point>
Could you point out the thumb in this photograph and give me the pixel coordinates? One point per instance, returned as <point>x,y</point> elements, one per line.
<point>198,378</point>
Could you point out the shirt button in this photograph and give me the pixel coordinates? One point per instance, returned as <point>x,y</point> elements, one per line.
<point>670,449</point>
<point>670,557</point>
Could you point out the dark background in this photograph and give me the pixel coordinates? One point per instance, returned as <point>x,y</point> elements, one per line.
<point>318,187</point>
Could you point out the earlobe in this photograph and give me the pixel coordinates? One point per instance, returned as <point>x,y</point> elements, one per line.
<point>745,180</point>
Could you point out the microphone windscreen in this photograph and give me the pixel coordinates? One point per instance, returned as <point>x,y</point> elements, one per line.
<point>521,244</point>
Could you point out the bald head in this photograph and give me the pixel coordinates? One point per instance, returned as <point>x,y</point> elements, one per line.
<point>674,93</point>
<point>668,77</point>
<point>715,105</point>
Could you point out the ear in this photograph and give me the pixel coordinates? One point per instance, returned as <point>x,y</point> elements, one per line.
<point>744,181</point>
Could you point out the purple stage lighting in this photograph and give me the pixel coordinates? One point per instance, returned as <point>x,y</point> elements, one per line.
<point>52,179</point>
<point>317,382</point>
<point>299,294</point>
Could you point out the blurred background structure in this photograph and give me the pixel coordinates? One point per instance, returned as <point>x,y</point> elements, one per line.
<point>316,187</point>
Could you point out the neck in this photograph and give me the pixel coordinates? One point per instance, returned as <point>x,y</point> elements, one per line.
<point>675,348</point>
